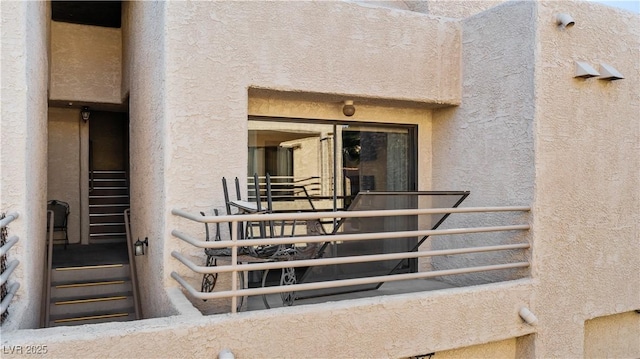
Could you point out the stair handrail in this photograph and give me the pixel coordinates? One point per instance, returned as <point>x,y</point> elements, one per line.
<point>47,270</point>
<point>132,265</point>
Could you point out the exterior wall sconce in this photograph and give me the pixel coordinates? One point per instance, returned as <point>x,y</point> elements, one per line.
<point>348,109</point>
<point>584,70</point>
<point>609,73</point>
<point>564,21</point>
<point>139,246</point>
<point>528,316</point>
<point>85,113</point>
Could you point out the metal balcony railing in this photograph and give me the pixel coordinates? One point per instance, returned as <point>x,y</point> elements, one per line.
<point>8,291</point>
<point>236,266</point>
<point>285,187</point>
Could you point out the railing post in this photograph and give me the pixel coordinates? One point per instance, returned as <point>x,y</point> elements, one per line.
<point>234,264</point>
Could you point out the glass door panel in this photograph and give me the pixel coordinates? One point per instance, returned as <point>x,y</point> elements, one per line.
<point>302,158</point>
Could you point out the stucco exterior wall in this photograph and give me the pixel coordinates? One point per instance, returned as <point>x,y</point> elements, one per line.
<point>613,336</point>
<point>148,151</point>
<point>63,175</point>
<point>485,145</point>
<point>451,8</point>
<point>337,49</point>
<point>587,203</point>
<point>502,349</point>
<point>23,161</point>
<point>86,63</point>
<point>421,323</point>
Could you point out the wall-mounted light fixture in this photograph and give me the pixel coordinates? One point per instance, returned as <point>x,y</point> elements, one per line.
<point>528,316</point>
<point>138,247</point>
<point>85,113</point>
<point>609,73</point>
<point>564,21</point>
<point>348,109</point>
<point>584,70</point>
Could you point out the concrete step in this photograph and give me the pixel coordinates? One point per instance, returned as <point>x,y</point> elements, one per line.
<point>109,182</point>
<point>108,191</point>
<point>107,238</point>
<point>116,302</point>
<point>112,199</point>
<point>107,208</point>
<point>95,228</point>
<point>99,174</point>
<point>112,217</point>
<point>89,273</point>
<point>93,318</point>
<point>71,290</point>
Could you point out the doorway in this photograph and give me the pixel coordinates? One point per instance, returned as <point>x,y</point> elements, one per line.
<point>331,166</point>
<point>108,172</point>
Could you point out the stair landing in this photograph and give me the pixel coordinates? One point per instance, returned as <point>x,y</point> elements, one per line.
<point>77,255</point>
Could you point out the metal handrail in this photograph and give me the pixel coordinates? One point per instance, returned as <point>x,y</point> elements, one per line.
<point>10,217</point>
<point>341,214</point>
<point>4,276</point>
<point>235,243</point>
<point>47,270</point>
<point>132,265</point>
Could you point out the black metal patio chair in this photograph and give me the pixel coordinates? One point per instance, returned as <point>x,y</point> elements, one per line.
<point>60,211</point>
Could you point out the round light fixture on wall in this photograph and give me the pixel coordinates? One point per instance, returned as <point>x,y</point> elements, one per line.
<point>348,109</point>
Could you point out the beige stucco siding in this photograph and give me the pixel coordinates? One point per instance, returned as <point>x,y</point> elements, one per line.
<point>23,160</point>
<point>63,175</point>
<point>485,145</point>
<point>384,327</point>
<point>613,336</point>
<point>86,63</point>
<point>587,203</point>
<point>216,52</point>
<point>148,151</point>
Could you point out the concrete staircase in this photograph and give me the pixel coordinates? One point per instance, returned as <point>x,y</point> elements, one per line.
<point>108,198</point>
<point>91,294</point>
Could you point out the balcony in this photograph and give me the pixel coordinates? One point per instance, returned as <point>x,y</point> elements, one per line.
<point>269,260</point>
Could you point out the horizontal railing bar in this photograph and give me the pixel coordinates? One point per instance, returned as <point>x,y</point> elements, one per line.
<point>340,237</point>
<point>7,299</point>
<point>10,242</point>
<point>7,272</point>
<point>340,260</point>
<point>341,214</point>
<point>341,283</point>
<point>8,219</point>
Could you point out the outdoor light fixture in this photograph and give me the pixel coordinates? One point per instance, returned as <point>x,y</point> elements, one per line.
<point>609,73</point>
<point>564,21</point>
<point>139,246</point>
<point>348,109</point>
<point>528,316</point>
<point>584,70</point>
<point>85,113</point>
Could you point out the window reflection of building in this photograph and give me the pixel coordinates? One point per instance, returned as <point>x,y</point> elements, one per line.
<point>305,155</point>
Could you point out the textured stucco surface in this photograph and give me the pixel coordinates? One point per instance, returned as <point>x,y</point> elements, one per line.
<point>613,336</point>
<point>586,251</point>
<point>485,145</point>
<point>63,175</point>
<point>86,63</point>
<point>451,8</point>
<point>335,54</point>
<point>526,132</point>
<point>148,133</point>
<point>502,349</point>
<point>422,323</point>
<point>23,151</point>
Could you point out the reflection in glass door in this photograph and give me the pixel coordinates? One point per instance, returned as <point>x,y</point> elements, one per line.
<point>303,158</point>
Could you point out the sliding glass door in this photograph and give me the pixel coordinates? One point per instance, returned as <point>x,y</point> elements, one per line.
<point>325,166</point>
